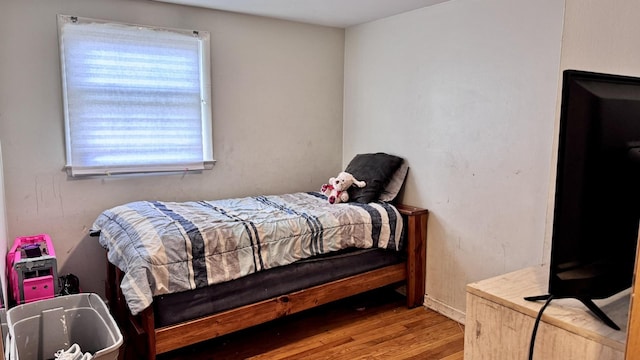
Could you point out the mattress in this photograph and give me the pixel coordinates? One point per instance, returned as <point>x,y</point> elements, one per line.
<point>178,307</point>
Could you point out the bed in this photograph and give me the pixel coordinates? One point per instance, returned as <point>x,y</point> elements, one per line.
<point>183,272</point>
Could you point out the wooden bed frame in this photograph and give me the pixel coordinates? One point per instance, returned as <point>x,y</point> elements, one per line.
<point>151,341</point>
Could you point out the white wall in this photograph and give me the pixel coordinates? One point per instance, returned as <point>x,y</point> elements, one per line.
<point>599,36</point>
<point>466,92</point>
<point>602,36</point>
<point>277,119</point>
<point>3,236</point>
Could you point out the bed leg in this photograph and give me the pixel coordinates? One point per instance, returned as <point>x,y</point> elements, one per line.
<point>111,297</point>
<point>148,325</point>
<point>133,327</point>
<point>416,256</point>
<point>141,340</point>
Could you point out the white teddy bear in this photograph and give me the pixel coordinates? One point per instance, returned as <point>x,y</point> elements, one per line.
<point>336,189</point>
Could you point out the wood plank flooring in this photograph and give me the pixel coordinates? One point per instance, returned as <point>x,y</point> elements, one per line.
<point>374,325</point>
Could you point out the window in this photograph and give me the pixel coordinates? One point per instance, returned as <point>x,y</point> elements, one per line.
<point>136,98</point>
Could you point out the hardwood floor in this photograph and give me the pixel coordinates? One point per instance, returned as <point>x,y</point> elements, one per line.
<point>375,325</point>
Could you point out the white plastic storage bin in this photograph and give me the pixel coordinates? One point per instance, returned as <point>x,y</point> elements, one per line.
<point>4,329</point>
<point>38,329</point>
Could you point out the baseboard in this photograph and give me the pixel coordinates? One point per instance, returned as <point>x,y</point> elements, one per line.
<point>444,309</point>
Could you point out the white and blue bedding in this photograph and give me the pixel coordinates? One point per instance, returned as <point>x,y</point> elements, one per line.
<point>168,247</point>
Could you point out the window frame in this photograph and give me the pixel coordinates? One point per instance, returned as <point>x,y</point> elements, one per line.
<point>205,107</point>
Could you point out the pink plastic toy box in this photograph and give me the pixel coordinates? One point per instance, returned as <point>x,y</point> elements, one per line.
<point>32,269</point>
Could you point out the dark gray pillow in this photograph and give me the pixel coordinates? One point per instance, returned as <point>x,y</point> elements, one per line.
<point>376,169</point>
<point>391,191</point>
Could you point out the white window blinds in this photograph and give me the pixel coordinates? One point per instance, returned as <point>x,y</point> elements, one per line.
<point>136,99</point>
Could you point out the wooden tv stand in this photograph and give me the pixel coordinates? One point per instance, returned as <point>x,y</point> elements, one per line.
<point>499,322</point>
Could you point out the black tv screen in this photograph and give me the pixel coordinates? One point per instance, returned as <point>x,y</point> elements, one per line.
<point>597,199</point>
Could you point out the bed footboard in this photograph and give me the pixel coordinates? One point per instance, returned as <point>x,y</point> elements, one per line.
<point>142,338</point>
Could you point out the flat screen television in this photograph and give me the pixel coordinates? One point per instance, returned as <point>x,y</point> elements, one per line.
<point>597,195</point>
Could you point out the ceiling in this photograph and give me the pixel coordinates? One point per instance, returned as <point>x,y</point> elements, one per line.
<point>336,13</point>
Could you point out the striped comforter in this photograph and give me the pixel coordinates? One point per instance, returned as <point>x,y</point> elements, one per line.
<point>167,247</point>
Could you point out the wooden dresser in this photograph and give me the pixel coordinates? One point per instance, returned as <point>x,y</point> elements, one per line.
<point>499,322</point>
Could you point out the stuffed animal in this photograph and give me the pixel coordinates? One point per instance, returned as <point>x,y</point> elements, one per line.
<point>336,189</point>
